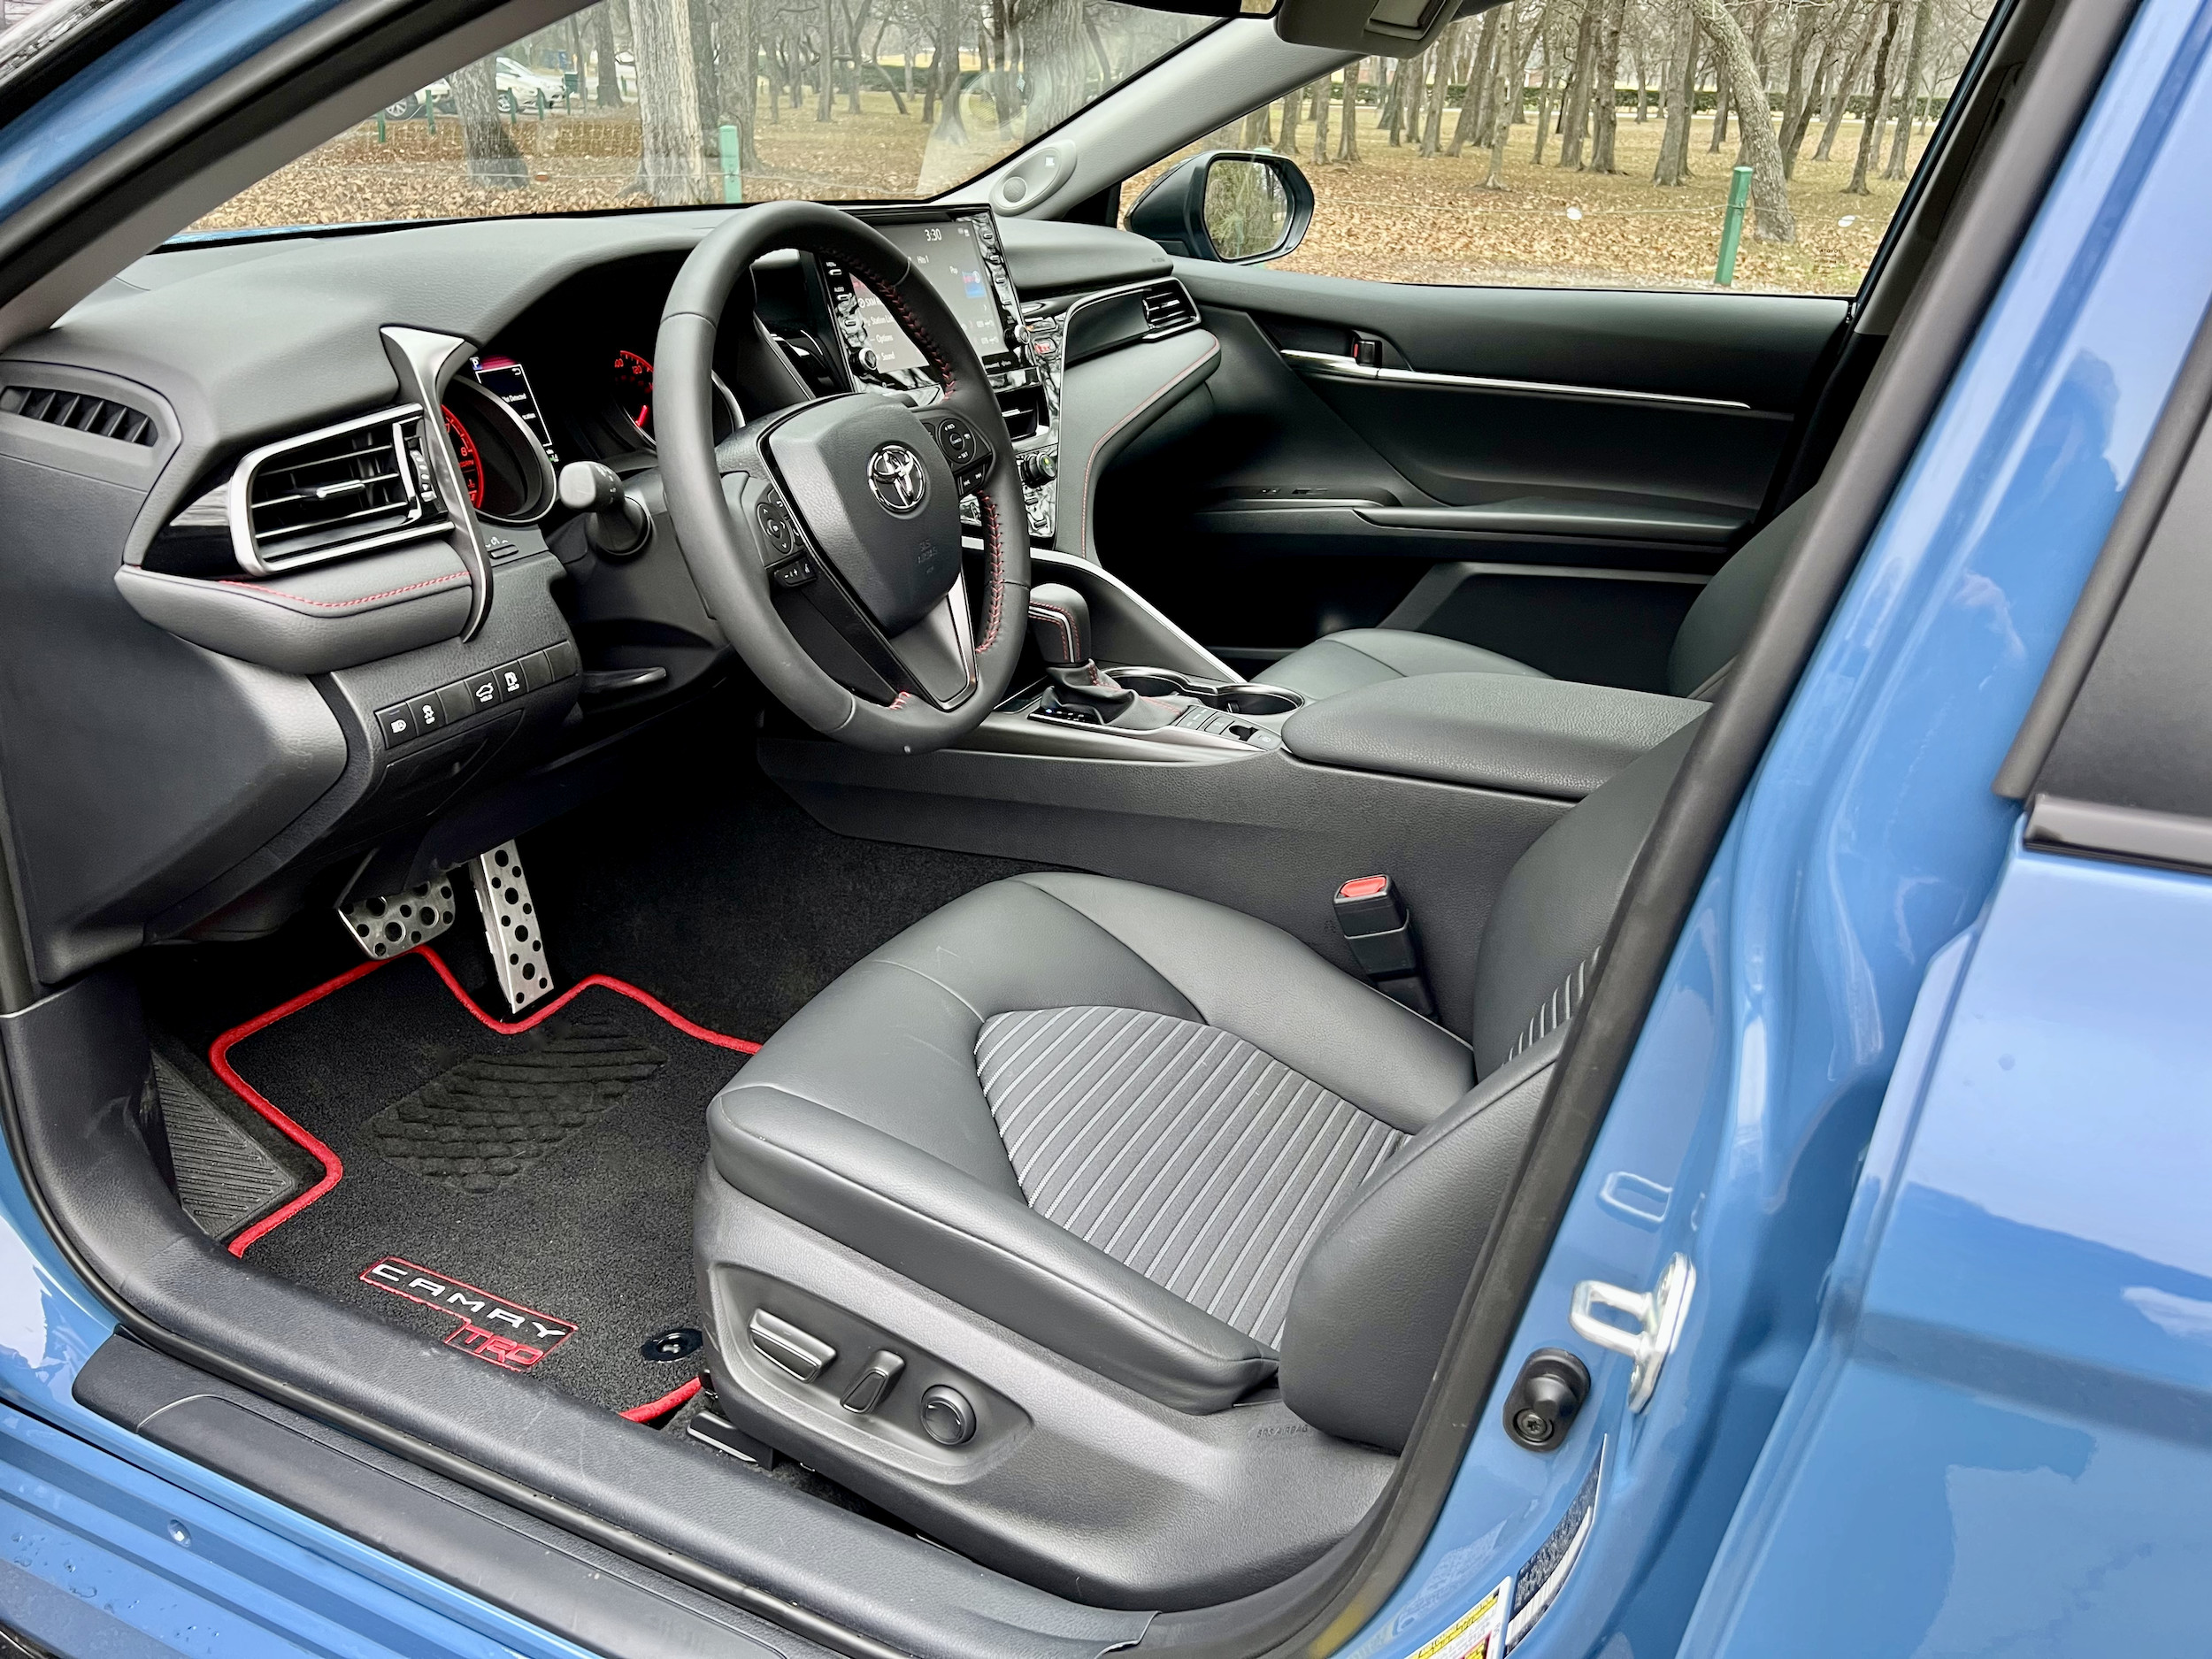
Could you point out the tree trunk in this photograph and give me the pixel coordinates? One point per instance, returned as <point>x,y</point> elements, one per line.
<point>739,77</point>
<point>1722,93</point>
<point>1433,105</point>
<point>1348,138</point>
<point>674,150</point>
<point>826,76</point>
<point>603,43</point>
<point>1840,101</point>
<point>1259,129</point>
<point>1605,92</point>
<point>1505,96</point>
<point>1680,96</point>
<point>1052,53</point>
<point>1870,129</point>
<point>494,163</point>
<point>1798,101</point>
<point>1574,111</point>
<point>1480,76</point>
<point>1901,148</point>
<point>1321,101</point>
<point>1769,193</point>
<point>1286,141</point>
<point>707,82</point>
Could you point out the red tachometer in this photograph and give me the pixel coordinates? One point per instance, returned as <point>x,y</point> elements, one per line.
<point>633,389</point>
<point>464,449</point>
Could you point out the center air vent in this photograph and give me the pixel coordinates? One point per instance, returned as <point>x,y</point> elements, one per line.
<point>332,493</point>
<point>1168,308</point>
<point>80,411</point>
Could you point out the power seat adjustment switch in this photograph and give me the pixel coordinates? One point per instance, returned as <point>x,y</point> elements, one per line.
<point>782,1343</point>
<point>1550,1389</point>
<point>874,1381</point>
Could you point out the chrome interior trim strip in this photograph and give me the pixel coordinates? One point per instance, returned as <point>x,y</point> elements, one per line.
<point>1331,362</point>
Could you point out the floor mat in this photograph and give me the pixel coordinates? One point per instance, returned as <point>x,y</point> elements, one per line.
<point>522,1192</point>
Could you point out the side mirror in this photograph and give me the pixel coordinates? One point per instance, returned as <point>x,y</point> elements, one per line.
<point>1233,206</point>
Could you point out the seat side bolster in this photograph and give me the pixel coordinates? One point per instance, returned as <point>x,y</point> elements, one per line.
<point>926,1220</point>
<point>1375,1297</point>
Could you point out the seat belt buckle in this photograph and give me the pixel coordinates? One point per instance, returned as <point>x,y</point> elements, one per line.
<point>1379,927</point>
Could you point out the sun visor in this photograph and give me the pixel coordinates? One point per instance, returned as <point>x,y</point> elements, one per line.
<point>1388,28</point>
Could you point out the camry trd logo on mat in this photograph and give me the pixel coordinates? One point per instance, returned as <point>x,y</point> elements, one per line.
<point>492,1328</point>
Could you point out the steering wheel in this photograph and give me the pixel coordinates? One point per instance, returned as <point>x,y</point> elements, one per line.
<point>826,537</point>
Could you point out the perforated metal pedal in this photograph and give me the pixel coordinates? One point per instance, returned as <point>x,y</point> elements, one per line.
<point>511,925</point>
<point>386,925</point>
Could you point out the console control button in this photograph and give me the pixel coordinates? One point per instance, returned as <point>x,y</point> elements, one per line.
<point>537,670</point>
<point>428,716</point>
<point>511,683</point>
<point>564,658</point>
<point>483,690</point>
<point>876,1377</point>
<point>453,703</point>
<point>397,723</point>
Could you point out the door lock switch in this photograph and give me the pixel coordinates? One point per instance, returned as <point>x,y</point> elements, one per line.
<point>874,1381</point>
<point>784,1345</point>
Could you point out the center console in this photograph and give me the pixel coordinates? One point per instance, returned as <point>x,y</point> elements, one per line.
<point>957,249</point>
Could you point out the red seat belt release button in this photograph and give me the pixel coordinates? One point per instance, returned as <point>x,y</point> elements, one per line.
<point>1377,925</point>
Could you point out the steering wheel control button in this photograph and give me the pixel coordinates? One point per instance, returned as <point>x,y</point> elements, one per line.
<point>397,723</point>
<point>947,1417</point>
<point>794,572</point>
<point>775,524</point>
<point>784,1345</point>
<point>874,1381</point>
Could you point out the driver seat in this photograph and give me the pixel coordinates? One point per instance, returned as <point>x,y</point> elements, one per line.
<point>1175,1211</point>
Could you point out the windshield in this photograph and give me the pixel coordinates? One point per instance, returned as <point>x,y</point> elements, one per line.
<point>679,103</point>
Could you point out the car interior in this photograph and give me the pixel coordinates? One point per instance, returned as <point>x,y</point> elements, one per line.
<point>893,919</point>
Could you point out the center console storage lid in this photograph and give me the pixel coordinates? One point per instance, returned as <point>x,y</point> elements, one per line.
<point>1515,732</point>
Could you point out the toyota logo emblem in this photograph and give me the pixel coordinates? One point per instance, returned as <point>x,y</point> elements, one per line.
<point>895,475</point>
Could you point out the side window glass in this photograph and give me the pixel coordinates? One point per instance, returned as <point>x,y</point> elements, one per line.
<point>1497,157</point>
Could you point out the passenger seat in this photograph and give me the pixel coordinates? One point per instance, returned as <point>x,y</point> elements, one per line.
<point>1704,649</point>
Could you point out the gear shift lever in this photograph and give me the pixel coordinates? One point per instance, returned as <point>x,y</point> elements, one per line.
<point>1060,621</point>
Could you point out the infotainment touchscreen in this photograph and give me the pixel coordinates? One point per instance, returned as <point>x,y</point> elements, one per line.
<point>948,254</point>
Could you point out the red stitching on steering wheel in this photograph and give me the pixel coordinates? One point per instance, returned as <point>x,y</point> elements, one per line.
<point>997,579</point>
<point>912,324</point>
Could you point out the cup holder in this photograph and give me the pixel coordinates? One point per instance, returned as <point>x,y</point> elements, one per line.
<point>1256,699</point>
<point>1240,698</point>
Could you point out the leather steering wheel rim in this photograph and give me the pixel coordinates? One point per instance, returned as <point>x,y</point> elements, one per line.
<point>724,555</point>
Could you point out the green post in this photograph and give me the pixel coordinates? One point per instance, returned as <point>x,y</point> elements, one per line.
<point>1731,226</point>
<point>430,113</point>
<point>733,186</point>
<point>539,94</point>
<point>382,137</point>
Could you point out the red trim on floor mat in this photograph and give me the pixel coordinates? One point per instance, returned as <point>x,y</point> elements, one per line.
<point>334,1171</point>
<point>662,1406</point>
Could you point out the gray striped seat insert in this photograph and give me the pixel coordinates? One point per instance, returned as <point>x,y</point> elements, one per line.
<point>1181,1150</point>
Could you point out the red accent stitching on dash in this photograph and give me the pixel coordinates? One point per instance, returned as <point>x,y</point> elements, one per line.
<point>334,1171</point>
<point>662,1406</point>
<point>260,591</point>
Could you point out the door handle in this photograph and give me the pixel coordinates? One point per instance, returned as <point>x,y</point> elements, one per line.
<point>1658,1312</point>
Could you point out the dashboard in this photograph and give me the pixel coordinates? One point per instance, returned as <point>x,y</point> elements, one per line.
<point>296,660</point>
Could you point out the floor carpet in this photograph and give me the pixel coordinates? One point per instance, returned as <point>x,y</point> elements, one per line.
<point>521,1191</point>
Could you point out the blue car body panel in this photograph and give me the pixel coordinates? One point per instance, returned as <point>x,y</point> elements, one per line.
<point>1983,1430</point>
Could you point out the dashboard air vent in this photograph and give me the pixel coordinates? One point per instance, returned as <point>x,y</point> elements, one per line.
<point>1167,308</point>
<point>332,493</point>
<point>80,411</point>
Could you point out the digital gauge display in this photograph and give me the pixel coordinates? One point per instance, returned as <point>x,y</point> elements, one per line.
<point>633,389</point>
<point>471,458</point>
<point>507,381</point>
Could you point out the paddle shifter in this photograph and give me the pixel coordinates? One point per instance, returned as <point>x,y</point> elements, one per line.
<point>1060,621</point>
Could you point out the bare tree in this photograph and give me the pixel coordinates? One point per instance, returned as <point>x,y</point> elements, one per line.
<point>1770,195</point>
<point>1348,140</point>
<point>610,94</point>
<point>1481,73</point>
<point>1574,107</point>
<point>1900,149</point>
<point>1321,103</point>
<point>672,168</point>
<point>1680,96</point>
<point>1052,53</point>
<point>1441,56</point>
<point>1871,127</point>
<point>1605,79</point>
<point>494,163</point>
<point>1506,95</point>
<point>1288,140</point>
<point>1840,101</point>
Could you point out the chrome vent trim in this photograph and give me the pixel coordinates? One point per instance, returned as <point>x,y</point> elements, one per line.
<point>329,494</point>
<point>81,411</point>
<point>1168,309</point>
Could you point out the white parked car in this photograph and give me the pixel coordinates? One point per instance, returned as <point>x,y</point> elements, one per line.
<point>519,89</point>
